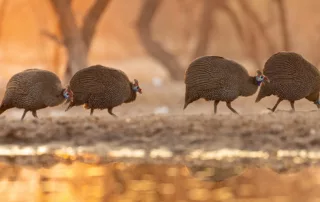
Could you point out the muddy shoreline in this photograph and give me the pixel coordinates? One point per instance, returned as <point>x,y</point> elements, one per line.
<point>282,141</point>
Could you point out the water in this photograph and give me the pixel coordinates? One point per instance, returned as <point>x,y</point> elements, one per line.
<point>65,173</point>
<point>152,182</point>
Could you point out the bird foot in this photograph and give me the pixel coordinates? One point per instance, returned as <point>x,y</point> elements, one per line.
<point>115,116</point>
<point>270,109</point>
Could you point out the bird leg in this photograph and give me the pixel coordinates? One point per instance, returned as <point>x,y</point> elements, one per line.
<point>110,112</point>
<point>292,106</point>
<point>276,105</point>
<point>24,114</point>
<point>34,113</point>
<point>91,111</point>
<point>230,107</point>
<point>70,105</point>
<point>216,102</point>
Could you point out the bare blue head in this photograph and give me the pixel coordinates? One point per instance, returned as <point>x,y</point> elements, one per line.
<point>260,78</point>
<point>136,87</point>
<point>68,94</point>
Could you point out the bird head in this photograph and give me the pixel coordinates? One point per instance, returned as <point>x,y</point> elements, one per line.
<point>136,87</point>
<point>68,94</point>
<point>260,78</point>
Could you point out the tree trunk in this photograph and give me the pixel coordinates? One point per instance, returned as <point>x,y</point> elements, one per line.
<point>205,28</point>
<point>77,57</point>
<point>77,41</point>
<point>91,20</point>
<point>283,24</point>
<point>249,38</point>
<point>154,49</point>
<point>72,38</point>
<point>260,26</point>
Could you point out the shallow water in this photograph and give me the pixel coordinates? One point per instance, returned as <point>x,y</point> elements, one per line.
<point>118,182</point>
<point>69,173</point>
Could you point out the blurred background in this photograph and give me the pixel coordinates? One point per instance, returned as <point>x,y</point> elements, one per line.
<point>152,38</point>
<point>153,41</point>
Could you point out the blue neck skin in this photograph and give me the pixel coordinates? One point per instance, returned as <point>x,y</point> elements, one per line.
<point>259,83</point>
<point>259,80</point>
<point>135,88</point>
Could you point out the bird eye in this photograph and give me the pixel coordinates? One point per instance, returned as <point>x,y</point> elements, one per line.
<point>66,94</point>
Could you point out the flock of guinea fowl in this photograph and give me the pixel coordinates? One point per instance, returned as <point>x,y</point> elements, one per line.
<point>287,75</point>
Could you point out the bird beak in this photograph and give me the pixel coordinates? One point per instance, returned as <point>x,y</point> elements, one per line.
<point>266,79</point>
<point>140,90</point>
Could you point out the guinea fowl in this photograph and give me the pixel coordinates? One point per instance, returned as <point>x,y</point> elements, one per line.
<point>33,89</point>
<point>292,78</point>
<point>219,79</point>
<point>99,87</point>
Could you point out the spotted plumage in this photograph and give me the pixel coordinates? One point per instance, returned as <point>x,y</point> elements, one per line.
<point>219,79</point>
<point>292,78</point>
<point>33,89</point>
<point>99,87</point>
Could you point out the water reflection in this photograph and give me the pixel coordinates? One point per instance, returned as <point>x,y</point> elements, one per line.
<point>121,182</point>
<point>104,150</point>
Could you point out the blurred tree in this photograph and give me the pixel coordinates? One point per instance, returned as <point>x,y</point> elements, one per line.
<point>255,19</point>
<point>3,7</point>
<point>251,30</point>
<point>77,40</point>
<point>254,29</point>
<point>205,28</point>
<point>247,31</point>
<point>153,47</point>
<point>157,51</point>
<point>187,10</point>
<point>283,24</point>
